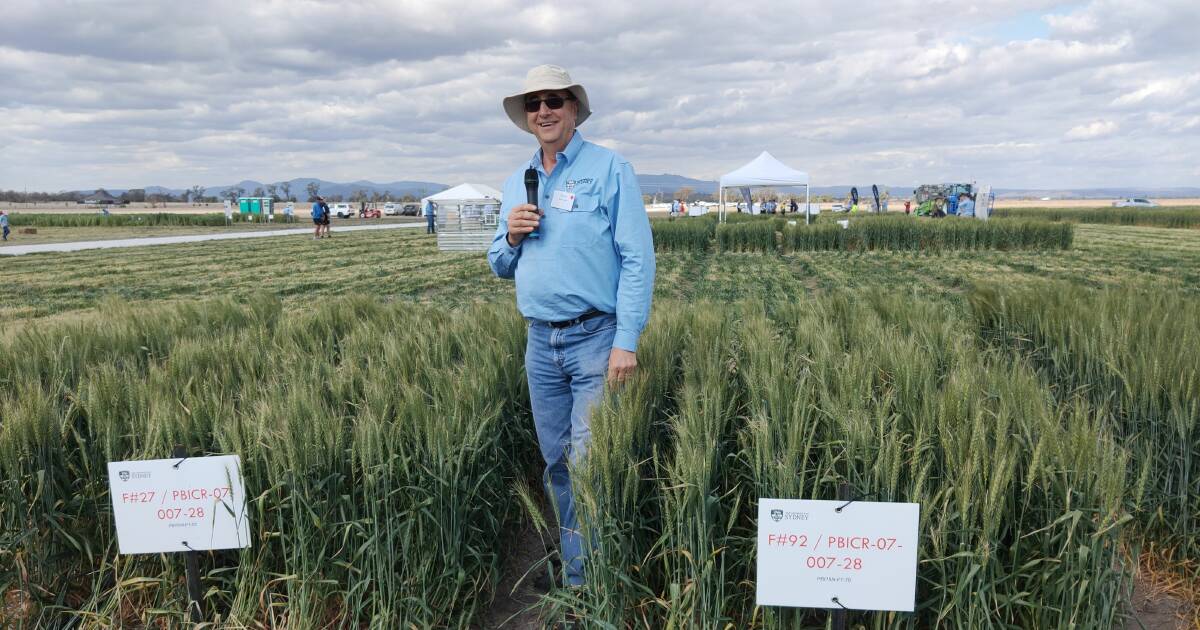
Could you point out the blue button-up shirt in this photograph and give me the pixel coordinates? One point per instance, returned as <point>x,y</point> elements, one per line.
<point>597,254</point>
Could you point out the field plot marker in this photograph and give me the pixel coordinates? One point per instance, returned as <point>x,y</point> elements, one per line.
<point>207,510</point>
<point>856,563</point>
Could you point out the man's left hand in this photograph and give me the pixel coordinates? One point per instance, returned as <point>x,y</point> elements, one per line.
<point>621,365</point>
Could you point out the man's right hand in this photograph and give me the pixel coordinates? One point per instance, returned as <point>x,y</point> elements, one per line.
<point>522,220</point>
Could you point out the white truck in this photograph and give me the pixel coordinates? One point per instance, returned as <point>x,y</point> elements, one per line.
<point>1134,203</point>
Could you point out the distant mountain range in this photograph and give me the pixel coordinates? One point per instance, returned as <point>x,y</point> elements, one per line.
<point>666,184</point>
<point>299,188</point>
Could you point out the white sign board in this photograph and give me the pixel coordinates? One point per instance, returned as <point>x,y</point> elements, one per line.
<point>166,505</point>
<point>983,205</point>
<point>865,555</point>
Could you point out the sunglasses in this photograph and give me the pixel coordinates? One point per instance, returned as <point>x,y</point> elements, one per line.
<point>553,102</point>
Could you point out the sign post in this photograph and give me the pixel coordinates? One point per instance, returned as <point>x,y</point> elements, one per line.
<point>180,505</point>
<point>191,566</point>
<point>841,555</point>
<point>839,614</point>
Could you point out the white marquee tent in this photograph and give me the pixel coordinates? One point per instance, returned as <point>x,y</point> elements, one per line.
<point>465,194</point>
<point>764,170</point>
<point>466,216</point>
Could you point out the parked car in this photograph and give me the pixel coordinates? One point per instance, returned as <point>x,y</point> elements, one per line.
<point>837,207</point>
<point>341,210</point>
<point>1134,203</point>
<point>410,209</point>
<point>391,209</point>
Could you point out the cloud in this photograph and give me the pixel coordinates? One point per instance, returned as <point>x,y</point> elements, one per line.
<point>1092,131</point>
<point>132,93</point>
<point>1170,89</point>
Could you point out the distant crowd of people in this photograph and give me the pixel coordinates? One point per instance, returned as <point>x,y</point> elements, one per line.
<point>962,206</point>
<point>320,218</point>
<point>770,206</point>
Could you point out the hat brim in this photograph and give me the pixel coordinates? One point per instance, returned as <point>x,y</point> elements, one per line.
<point>514,105</point>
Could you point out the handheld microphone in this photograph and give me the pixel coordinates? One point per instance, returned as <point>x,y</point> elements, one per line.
<point>531,186</point>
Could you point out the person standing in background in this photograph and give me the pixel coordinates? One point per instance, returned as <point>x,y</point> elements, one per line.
<point>320,217</point>
<point>966,205</point>
<point>4,223</point>
<point>430,217</point>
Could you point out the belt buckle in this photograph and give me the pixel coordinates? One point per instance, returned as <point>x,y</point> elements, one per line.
<point>566,323</point>
<point>571,322</point>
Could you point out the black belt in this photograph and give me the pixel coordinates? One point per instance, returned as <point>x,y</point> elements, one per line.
<point>567,323</point>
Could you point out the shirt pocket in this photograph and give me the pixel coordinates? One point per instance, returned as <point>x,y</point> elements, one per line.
<point>587,222</point>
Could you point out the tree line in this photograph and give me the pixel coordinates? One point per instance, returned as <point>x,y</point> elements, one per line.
<point>197,194</point>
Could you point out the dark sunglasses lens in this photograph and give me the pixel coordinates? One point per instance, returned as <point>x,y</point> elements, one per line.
<point>554,102</point>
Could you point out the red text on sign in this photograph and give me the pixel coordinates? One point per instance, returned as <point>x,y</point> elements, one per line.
<point>170,514</point>
<point>199,494</point>
<point>860,542</point>
<point>138,497</point>
<point>833,562</point>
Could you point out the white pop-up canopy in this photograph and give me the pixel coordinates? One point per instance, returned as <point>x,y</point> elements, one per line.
<point>764,170</point>
<point>465,194</point>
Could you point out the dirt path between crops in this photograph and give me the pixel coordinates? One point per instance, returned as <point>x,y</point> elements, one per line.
<point>17,250</point>
<point>518,591</point>
<point>1155,610</point>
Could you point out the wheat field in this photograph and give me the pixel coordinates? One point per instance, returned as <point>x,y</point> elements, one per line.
<point>1040,404</point>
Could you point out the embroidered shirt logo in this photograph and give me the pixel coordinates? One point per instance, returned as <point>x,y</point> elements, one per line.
<point>572,183</point>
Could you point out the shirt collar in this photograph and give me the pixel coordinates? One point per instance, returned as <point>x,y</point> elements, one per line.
<point>568,153</point>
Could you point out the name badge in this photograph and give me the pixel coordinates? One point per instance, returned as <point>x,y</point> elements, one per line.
<point>564,201</point>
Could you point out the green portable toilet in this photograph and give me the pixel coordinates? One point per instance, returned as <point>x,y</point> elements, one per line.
<point>244,205</point>
<point>255,205</point>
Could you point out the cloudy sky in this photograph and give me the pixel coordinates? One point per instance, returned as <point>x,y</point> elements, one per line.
<point>1019,93</point>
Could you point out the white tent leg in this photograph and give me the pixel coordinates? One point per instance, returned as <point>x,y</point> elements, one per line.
<point>807,206</point>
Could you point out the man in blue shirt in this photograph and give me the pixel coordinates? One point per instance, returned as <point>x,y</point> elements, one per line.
<point>966,207</point>
<point>320,217</point>
<point>584,282</point>
<point>430,218</point>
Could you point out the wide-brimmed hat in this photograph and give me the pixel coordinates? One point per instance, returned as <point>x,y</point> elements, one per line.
<point>541,78</point>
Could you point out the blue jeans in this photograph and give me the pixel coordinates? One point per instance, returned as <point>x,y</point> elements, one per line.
<point>566,368</point>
